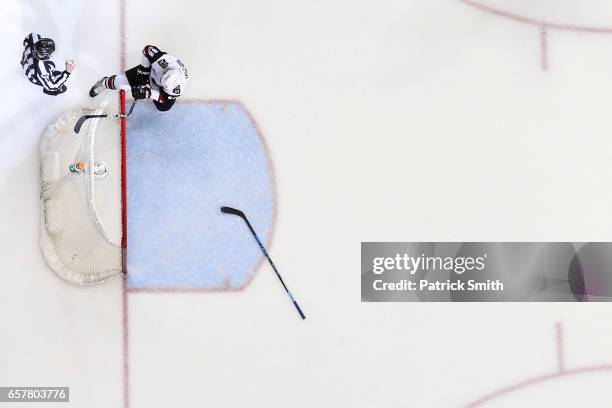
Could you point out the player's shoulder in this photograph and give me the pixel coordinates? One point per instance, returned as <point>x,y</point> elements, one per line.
<point>169,61</point>
<point>152,53</point>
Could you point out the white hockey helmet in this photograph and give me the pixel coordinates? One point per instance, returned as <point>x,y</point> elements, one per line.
<point>171,79</point>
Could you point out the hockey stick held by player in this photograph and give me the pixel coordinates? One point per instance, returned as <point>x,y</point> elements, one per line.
<point>40,69</point>
<point>160,77</point>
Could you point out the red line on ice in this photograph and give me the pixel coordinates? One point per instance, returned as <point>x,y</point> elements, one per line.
<point>560,346</point>
<point>544,26</point>
<point>532,21</point>
<point>538,380</point>
<point>544,48</point>
<point>122,34</point>
<point>561,372</point>
<point>187,290</point>
<point>126,366</point>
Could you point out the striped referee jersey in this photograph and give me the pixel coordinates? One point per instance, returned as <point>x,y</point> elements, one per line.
<point>42,72</point>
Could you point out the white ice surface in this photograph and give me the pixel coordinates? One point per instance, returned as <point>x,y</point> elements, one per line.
<point>395,120</point>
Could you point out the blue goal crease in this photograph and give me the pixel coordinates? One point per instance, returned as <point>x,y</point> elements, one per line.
<point>182,166</point>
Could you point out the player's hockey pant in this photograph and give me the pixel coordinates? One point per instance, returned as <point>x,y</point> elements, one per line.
<point>117,82</point>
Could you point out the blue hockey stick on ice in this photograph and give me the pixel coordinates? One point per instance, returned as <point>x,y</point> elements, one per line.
<point>229,210</point>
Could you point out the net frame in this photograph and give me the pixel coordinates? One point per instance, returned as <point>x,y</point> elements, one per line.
<point>83,239</point>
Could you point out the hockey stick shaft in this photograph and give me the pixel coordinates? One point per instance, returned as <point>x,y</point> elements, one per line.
<point>263,249</point>
<point>229,210</point>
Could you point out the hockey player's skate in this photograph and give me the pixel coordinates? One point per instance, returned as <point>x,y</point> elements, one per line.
<point>98,87</point>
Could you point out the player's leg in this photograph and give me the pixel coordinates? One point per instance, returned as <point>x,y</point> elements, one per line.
<point>133,77</point>
<point>110,82</point>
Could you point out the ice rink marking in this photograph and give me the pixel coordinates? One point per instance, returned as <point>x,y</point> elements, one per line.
<point>543,25</point>
<point>561,372</point>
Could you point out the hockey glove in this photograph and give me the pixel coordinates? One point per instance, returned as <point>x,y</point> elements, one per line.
<point>141,92</point>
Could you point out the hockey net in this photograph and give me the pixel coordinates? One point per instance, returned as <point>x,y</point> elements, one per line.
<point>83,233</point>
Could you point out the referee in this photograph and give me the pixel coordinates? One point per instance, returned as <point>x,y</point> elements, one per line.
<point>38,67</point>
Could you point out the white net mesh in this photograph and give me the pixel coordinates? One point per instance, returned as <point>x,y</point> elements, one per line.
<point>81,211</point>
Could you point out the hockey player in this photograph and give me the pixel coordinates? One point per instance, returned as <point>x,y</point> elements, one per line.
<point>38,67</point>
<point>160,77</point>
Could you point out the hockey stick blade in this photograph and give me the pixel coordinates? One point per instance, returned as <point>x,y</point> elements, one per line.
<point>82,119</point>
<point>233,211</point>
<point>230,210</point>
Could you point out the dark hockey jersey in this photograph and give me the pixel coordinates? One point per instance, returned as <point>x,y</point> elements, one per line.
<point>42,72</point>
